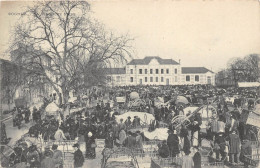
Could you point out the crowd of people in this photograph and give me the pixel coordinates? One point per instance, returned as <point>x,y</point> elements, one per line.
<point>31,156</point>
<point>226,129</point>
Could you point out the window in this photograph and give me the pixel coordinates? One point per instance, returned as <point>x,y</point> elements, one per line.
<point>209,80</point>
<point>167,71</point>
<point>131,71</point>
<point>162,71</point>
<point>131,79</point>
<point>156,79</point>
<point>109,78</point>
<point>161,79</point>
<point>118,79</point>
<point>151,79</point>
<point>151,71</point>
<point>187,77</point>
<point>176,79</point>
<point>157,71</point>
<point>140,71</point>
<point>145,79</point>
<point>197,78</point>
<point>176,70</point>
<point>145,71</point>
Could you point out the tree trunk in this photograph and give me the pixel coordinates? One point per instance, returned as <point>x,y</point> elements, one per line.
<point>65,95</point>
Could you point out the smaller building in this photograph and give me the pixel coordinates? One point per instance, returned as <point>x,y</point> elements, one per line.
<point>115,76</point>
<point>197,75</point>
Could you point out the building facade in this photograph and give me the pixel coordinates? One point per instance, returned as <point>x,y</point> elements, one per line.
<point>115,76</point>
<point>154,70</point>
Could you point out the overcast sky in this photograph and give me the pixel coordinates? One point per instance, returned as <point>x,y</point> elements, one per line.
<point>200,33</point>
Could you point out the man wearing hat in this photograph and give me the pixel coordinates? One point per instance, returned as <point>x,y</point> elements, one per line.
<point>78,156</point>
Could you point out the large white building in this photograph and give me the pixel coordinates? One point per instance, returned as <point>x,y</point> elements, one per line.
<point>154,70</point>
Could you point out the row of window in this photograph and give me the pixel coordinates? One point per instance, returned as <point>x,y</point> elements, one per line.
<point>117,79</point>
<point>197,78</point>
<point>156,71</point>
<point>151,79</point>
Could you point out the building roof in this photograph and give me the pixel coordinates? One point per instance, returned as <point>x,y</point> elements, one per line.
<point>114,71</point>
<point>194,70</point>
<point>147,60</point>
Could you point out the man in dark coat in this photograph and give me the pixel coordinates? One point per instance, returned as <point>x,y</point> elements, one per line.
<point>197,158</point>
<point>184,134</point>
<point>220,145</point>
<point>78,157</point>
<point>109,140</point>
<point>163,150</point>
<point>130,140</point>
<point>234,142</point>
<point>173,143</point>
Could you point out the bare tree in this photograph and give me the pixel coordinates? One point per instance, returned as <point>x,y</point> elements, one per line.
<point>60,41</point>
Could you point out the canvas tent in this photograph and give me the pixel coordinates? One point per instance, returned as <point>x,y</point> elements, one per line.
<point>248,84</point>
<point>52,109</point>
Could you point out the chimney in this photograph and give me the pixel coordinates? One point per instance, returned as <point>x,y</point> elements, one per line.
<point>180,61</point>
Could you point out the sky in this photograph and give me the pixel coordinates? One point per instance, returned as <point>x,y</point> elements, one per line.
<point>198,32</point>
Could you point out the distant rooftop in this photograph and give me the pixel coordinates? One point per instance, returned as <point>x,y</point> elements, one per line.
<point>194,70</point>
<point>147,60</point>
<point>114,71</point>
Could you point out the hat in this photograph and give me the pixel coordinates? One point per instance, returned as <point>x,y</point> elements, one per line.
<point>76,145</point>
<point>54,147</point>
<point>187,152</point>
<point>47,153</point>
<point>90,134</point>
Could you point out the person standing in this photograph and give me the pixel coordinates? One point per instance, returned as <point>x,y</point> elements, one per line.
<point>173,143</point>
<point>184,134</point>
<point>48,161</point>
<point>234,142</point>
<point>122,137</point>
<point>4,138</point>
<point>109,141</point>
<point>90,146</point>
<point>78,156</point>
<point>197,158</point>
<point>139,140</point>
<point>59,135</point>
<point>57,156</point>
<point>187,161</point>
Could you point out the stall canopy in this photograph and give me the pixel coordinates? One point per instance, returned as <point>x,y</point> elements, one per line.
<point>134,95</point>
<point>248,84</point>
<point>52,108</point>
<point>159,133</point>
<point>182,99</point>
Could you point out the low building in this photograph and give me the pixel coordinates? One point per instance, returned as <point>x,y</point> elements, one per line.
<point>197,75</point>
<point>115,76</point>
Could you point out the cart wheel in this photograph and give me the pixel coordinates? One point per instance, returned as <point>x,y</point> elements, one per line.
<point>180,119</point>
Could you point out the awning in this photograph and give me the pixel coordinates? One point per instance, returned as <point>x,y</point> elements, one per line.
<point>248,84</point>
<point>52,108</point>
